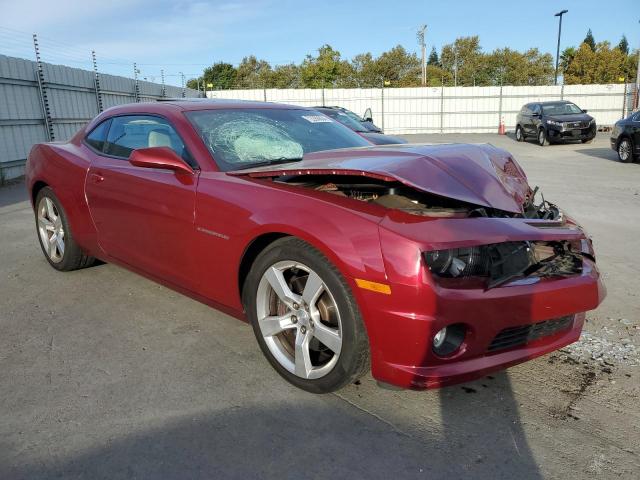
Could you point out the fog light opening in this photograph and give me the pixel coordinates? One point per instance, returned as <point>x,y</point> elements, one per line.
<point>449,339</point>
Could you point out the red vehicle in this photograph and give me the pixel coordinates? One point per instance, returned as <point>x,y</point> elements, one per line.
<point>431,265</point>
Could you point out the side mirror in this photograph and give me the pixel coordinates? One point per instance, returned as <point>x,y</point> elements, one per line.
<point>368,116</point>
<point>584,111</point>
<point>159,157</point>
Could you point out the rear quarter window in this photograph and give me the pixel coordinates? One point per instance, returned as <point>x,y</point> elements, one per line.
<point>98,135</point>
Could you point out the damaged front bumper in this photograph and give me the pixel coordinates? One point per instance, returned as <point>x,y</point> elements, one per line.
<point>522,318</point>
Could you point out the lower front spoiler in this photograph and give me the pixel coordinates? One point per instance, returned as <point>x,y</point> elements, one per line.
<point>567,135</point>
<point>421,377</point>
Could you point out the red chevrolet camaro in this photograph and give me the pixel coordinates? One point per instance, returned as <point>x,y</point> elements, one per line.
<point>429,264</point>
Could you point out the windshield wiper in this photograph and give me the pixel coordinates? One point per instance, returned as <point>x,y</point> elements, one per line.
<point>274,161</point>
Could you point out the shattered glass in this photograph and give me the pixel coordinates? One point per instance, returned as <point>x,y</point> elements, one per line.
<point>239,137</point>
<point>248,138</point>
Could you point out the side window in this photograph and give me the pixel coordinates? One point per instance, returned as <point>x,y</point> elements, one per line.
<point>98,135</point>
<point>130,132</point>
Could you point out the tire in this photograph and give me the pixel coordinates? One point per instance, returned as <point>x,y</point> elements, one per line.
<point>625,150</point>
<point>587,140</point>
<point>542,137</point>
<point>54,234</point>
<point>289,331</point>
<point>519,134</point>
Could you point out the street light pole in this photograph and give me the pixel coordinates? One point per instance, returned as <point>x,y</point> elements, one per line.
<point>559,14</point>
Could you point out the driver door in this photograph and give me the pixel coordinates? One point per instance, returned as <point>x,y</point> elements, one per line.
<point>144,216</point>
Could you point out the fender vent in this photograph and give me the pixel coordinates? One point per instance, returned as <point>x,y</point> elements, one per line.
<point>517,336</point>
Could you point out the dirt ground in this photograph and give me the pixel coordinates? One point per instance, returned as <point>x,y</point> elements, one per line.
<point>104,374</point>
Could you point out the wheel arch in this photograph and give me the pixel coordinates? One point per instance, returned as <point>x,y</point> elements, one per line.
<point>35,189</point>
<point>251,252</point>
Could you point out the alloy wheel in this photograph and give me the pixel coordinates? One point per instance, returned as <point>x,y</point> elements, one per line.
<point>624,150</point>
<point>541,137</point>
<point>51,229</point>
<point>299,319</point>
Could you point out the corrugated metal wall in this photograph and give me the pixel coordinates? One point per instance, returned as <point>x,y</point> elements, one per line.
<point>449,109</point>
<point>71,100</point>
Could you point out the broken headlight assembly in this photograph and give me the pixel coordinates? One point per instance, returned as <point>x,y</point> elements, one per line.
<point>499,263</point>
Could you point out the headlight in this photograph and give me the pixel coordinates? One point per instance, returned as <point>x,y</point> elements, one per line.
<point>458,262</point>
<point>554,123</point>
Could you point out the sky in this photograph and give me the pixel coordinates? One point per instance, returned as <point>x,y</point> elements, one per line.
<point>187,35</point>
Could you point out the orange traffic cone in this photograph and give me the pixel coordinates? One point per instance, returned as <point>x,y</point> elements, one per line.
<point>501,129</point>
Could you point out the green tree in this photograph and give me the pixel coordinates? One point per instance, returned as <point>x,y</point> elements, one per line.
<point>623,46</point>
<point>221,75</point>
<point>286,76</point>
<point>253,73</point>
<point>433,58</point>
<point>566,57</point>
<point>464,56</point>
<point>400,68</point>
<point>324,70</point>
<point>590,41</point>
<point>602,65</point>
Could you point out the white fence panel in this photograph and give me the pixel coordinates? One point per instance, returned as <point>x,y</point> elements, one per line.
<point>449,109</point>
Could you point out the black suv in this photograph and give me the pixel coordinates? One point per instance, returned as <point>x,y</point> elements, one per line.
<point>554,122</point>
<point>625,138</point>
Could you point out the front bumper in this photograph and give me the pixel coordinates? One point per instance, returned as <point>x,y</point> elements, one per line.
<point>401,326</point>
<point>556,133</point>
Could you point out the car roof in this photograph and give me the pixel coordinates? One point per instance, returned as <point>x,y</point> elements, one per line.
<point>190,104</point>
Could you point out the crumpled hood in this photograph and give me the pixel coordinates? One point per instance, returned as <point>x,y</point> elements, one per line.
<point>479,174</point>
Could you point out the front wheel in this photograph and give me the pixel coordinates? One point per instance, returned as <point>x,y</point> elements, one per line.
<point>542,137</point>
<point>305,318</point>
<point>519,134</point>
<point>56,239</point>
<point>625,150</point>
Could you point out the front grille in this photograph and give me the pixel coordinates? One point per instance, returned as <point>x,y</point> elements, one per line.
<point>517,336</point>
<point>577,125</point>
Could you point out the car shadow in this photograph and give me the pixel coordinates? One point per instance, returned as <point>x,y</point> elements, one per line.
<point>292,441</point>
<point>307,440</point>
<point>603,153</point>
<point>483,431</point>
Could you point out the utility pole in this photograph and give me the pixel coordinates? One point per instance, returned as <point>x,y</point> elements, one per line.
<point>420,36</point>
<point>182,82</point>
<point>559,14</point>
<point>455,66</point>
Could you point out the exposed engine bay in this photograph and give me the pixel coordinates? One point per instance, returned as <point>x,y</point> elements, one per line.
<point>397,196</point>
<point>492,264</point>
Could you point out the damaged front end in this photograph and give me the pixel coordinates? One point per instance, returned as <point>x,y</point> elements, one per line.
<point>427,191</point>
<point>499,263</point>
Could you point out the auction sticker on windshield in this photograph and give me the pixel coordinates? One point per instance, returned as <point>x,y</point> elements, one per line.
<point>317,118</point>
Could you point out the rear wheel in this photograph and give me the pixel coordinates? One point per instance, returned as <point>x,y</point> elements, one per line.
<point>55,236</point>
<point>625,150</point>
<point>305,318</point>
<point>519,134</point>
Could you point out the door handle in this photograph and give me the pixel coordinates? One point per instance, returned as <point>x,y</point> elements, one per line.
<point>96,177</point>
